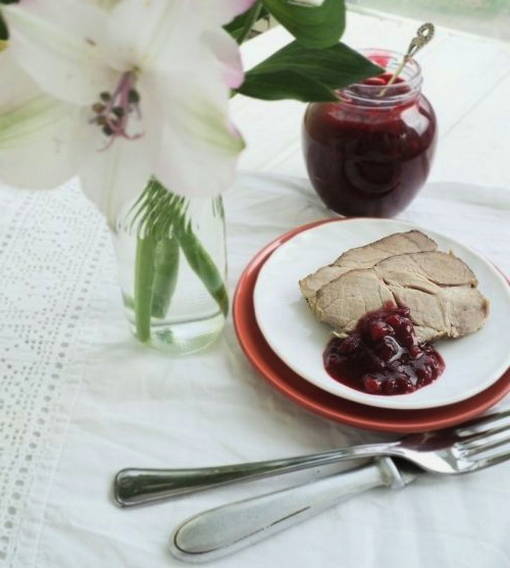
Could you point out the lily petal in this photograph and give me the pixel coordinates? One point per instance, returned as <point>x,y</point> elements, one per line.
<point>114,177</point>
<point>170,30</point>
<point>41,139</point>
<point>106,4</point>
<point>61,45</point>
<point>173,27</point>
<point>226,50</point>
<point>199,147</point>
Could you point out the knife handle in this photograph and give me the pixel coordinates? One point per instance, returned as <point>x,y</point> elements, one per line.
<point>226,529</point>
<point>133,486</point>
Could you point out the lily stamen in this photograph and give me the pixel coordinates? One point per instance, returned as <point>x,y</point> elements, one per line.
<point>113,109</point>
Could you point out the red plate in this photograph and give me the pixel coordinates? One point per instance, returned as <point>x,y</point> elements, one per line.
<point>321,402</point>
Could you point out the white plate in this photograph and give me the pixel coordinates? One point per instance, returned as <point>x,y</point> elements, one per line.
<point>473,362</point>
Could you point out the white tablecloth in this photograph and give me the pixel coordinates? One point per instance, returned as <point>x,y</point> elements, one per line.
<point>80,399</point>
<point>62,327</point>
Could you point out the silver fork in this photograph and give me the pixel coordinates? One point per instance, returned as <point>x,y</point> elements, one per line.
<point>217,532</point>
<point>451,451</point>
<point>231,527</point>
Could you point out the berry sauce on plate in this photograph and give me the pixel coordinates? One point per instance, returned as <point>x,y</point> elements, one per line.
<point>382,355</point>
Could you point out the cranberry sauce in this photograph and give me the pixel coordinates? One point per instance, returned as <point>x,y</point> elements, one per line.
<point>382,355</point>
<point>368,154</point>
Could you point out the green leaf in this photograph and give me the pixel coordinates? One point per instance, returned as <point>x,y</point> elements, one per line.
<point>285,84</point>
<point>314,27</point>
<point>4,34</point>
<point>264,13</point>
<point>240,27</point>
<point>309,75</point>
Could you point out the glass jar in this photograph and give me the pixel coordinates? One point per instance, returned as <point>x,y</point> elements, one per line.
<point>369,153</point>
<point>172,268</point>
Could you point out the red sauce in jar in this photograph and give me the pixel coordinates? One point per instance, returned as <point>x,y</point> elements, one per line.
<point>367,154</point>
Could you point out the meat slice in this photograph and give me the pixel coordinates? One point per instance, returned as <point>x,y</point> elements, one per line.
<point>365,257</point>
<point>439,288</point>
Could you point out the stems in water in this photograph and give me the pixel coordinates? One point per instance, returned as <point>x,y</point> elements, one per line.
<point>159,219</point>
<point>166,268</point>
<point>144,278</point>
<point>202,264</point>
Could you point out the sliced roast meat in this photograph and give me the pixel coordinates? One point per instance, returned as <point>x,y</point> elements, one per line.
<point>365,257</point>
<point>439,288</point>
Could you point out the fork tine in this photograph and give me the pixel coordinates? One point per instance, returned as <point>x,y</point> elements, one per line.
<point>483,424</point>
<point>484,445</point>
<point>491,460</point>
<point>478,439</point>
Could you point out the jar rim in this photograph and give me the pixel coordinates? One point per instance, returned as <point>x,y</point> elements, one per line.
<point>411,76</point>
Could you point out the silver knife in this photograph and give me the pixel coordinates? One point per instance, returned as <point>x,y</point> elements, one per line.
<point>221,531</point>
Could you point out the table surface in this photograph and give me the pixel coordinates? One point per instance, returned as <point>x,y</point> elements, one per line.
<point>81,400</point>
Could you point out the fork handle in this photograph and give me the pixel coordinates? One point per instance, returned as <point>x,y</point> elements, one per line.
<point>223,530</point>
<point>140,486</point>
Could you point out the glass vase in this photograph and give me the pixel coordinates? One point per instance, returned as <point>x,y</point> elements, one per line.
<point>172,269</point>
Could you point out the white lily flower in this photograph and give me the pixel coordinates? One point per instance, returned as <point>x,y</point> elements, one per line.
<point>136,89</point>
<point>36,132</point>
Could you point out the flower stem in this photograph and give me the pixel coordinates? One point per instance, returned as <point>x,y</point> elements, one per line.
<point>144,278</point>
<point>166,268</point>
